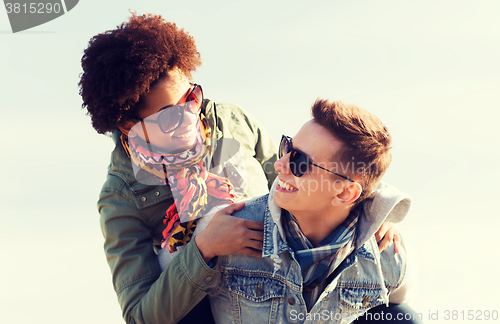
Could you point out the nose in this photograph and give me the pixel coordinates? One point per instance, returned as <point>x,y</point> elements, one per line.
<point>282,166</point>
<point>188,118</point>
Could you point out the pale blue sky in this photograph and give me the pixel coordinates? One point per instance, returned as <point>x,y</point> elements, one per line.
<point>428,69</point>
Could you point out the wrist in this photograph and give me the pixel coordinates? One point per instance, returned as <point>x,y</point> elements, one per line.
<point>204,248</point>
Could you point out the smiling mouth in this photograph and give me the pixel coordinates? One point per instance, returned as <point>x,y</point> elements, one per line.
<point>185,134</point>
<point>285,186</point>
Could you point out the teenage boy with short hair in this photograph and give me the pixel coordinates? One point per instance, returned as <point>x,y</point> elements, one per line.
<point>320,259</point>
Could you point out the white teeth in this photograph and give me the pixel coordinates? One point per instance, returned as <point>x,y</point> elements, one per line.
<point>286,186</point>
<point>187,134</point>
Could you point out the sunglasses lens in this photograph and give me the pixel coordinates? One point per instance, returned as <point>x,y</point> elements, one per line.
<point>170,118</point>
<point>195,99</point>
<point>299,163</point>
<point>284,147</point>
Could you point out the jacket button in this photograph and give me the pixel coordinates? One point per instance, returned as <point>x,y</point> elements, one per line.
<point>157,193</point>
<point>207,279</point>
<point>143,199</point>
<point>291,301</point>
<point>259,291</point>
<point>366,301</point>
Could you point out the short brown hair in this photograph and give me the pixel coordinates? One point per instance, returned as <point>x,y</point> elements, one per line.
<point>367,142</point>
<point>120,65</point>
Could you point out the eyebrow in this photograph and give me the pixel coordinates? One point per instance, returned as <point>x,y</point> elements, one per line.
<point>171,105</point>
<point>301,151</point>
<point>162,108</point>
<point>167,106</point>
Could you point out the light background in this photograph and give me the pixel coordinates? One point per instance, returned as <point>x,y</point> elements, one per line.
<point>428,69</point>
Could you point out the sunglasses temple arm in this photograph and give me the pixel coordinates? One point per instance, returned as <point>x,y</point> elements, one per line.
<point>332,172</point>
<point>150,148</point>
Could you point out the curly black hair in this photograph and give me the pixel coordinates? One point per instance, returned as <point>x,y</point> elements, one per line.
<point>120,65</point>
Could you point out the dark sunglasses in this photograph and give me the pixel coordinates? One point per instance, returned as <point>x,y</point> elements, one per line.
<point>299,161</point>
<point>169,118</point>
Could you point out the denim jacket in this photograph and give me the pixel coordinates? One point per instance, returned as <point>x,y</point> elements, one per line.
<point>269,289</point>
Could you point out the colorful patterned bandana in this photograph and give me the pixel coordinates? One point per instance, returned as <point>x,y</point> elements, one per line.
<point>317,263</point>
<point>194,188</point>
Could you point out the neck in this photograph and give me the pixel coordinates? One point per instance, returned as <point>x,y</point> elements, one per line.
<point>316,227</point>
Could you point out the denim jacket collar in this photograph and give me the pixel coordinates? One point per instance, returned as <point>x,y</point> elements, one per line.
<point>385,204</point>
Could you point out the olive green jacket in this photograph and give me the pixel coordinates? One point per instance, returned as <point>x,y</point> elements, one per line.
<point>132,216</point>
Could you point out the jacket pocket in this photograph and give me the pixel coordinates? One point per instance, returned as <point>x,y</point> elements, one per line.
<point>253,297</point>
<point>359,300</point>
<point>255,287</point>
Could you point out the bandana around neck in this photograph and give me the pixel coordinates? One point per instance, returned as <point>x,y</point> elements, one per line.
<point>317,263</point>
<point>194,188</point>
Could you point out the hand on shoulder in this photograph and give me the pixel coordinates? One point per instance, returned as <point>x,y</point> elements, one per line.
<point>226,234</point>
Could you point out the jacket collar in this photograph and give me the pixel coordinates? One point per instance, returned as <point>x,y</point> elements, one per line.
<point>386,203</point>
<point>272,223</point>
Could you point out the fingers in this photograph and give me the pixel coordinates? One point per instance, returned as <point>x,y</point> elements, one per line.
<point>387,239</point>
<point>229,210</point>
<point>254,235</point>
<point>256,245</point>
<point>392,235</point>
<point>381,231</point>
<point>397,243</point>
<point>246,237</point>
<point>254,225</point>
<point>241,236</point>
<point>233,208</point>
<point>382,245</point>
<point>251,252</point>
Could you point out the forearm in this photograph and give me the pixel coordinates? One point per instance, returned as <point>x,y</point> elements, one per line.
<point>145,293</point>
<point>179,288</point>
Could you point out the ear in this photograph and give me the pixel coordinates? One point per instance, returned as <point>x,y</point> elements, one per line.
<point>350,193</point>
<point>125,129</point>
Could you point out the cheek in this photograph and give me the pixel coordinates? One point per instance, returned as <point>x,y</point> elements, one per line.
<point>312,187</point>
<point>158,139</point>
<point>190,119</point>
<point>136,130</point>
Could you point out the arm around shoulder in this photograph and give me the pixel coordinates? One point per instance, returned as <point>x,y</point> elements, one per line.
<point>145,294</point>
<point>407,291</point>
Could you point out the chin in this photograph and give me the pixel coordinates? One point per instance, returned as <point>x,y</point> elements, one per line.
<point>178,145</point>
<point>279,200</point>
<point>188,143</point>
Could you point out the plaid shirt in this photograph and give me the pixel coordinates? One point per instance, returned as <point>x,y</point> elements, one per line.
<point>317,263</point>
